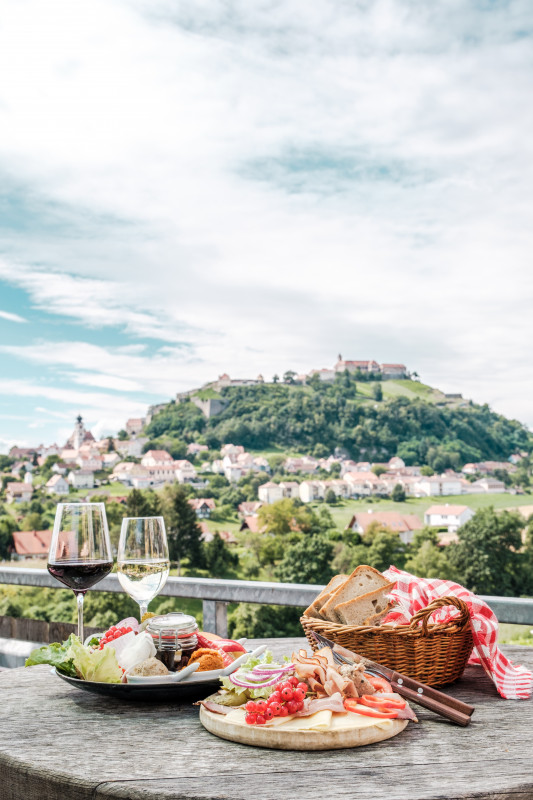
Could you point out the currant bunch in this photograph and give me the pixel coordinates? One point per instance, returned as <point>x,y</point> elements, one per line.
<point>286,699</point>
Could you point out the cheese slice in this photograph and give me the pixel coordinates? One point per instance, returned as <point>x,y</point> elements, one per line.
<point>351,720</point>
<point>314,722</point>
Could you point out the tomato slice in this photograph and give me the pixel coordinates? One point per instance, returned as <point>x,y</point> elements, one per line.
<point>381,703</point>
<point>379,683</point>
<point>352,704</point>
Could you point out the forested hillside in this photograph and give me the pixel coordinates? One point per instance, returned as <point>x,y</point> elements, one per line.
<point>361,418</point>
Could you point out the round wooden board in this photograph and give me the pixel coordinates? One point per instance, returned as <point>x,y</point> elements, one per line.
<point>278,739</point>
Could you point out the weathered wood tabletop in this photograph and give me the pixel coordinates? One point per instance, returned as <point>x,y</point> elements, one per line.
<point>59,743</point>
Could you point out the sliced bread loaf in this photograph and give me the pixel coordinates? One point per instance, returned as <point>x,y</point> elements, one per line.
<point>323,597</point>
<point>360,609</point>
<point>362,580</point>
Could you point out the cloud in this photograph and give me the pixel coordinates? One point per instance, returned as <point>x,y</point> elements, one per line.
<point>11,317</point>
<point>259,189</point>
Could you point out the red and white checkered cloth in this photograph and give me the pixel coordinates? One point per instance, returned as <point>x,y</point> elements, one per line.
<point>411,594</point>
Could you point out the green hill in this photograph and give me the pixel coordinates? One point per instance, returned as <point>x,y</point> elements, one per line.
<point>373,420</point>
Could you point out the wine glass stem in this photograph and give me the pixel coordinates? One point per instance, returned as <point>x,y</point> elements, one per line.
<point>144,609</point>
<point>79,600</point>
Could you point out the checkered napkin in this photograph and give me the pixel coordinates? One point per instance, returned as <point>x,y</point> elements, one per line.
<point>411,594</point>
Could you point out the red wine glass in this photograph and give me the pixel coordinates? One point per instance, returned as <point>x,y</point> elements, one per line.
<point>80,550</point>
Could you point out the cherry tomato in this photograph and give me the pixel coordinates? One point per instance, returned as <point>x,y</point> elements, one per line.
<point>250,719</point>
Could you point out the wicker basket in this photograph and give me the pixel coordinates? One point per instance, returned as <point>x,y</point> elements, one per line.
<point>433,654</point>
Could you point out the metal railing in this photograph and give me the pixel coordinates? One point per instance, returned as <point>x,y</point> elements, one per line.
<point>216,594</point>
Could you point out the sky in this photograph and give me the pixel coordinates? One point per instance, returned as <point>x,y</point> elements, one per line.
<point>189,188</point>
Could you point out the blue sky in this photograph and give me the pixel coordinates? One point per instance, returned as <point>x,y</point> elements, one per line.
<point>187,189</point>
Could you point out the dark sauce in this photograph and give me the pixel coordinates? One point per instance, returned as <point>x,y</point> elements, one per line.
<point>80,575</point>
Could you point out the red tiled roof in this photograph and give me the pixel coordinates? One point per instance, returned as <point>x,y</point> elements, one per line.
<point>32,543</point>
<point>392,519</point>
<point>198,502</point>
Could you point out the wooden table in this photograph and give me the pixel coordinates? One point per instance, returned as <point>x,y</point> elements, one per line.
<point>59,743</point>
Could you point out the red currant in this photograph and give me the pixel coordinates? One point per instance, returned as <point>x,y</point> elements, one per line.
<point>260,720</point>
<point>269,713</point>
<point>250,719</point>
<point>251,707</point>
<point>285,685</point>
<point>293,681</point>
<point>292,706</point>
<point>304,687</point>
<point>276,708</point>
<point>260,706</point>
<point>287,693</point>
<point>275,697</point>
<point>298,695</point>
<point>112,629</point>
<point>300,705</point>
<point>283,712</point>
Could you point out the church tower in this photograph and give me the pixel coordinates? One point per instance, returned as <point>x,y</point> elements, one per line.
<point>78,435</point>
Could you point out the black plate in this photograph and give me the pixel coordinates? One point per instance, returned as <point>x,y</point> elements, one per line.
<point>156,693</point>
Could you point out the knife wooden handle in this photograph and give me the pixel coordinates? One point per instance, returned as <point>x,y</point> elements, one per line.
<point>443,704</point>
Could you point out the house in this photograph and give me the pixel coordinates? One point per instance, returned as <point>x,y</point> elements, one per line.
<point>438,485</point>
<point>139,477</point>
<point>311,490</point>
<point>363,484</point>
<point>22,452</point>
<point>79,435</point>
<point>226,536</point>
<point>134,426</point>
<point>110,459</point>
<point>451,517</point>
<point>390,371</point>
<point>60,467</point>
<point>184,471</point>
<point>323,374</point>
<point>403,524</point>
<point>193,448</point>
<point>31,544</point>
<point>202,506</point>
<point>270,492</point>
<point>231,450</point>
<point>354,366</point>
<point>81,479</point>
<point>304,464</point>
<point>19,492</point>
<point>251,523</point>
<point>250,508</point>
<point>130,447</point>
<point>92,462</point>
<point>68,455</point>
<point>489,485</point>
<point>57,485</point>
<point>396,463</point>
<point>290,489</point>
<point>154,458</point>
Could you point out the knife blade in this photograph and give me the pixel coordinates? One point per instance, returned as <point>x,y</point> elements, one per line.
<point>449,707</point>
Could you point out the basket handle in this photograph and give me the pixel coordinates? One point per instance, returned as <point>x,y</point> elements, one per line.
<point>425,613</point>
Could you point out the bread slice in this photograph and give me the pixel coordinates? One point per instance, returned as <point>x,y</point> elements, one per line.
<point>375,619</point>
<point>360,609</point>
<point>323,597</point>
<point>362,580</point>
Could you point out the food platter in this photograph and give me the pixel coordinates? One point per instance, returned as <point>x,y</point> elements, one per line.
<point>177,692</point>
<point>353,731</point>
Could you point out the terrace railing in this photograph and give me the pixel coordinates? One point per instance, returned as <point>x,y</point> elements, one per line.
<point>215,595</point>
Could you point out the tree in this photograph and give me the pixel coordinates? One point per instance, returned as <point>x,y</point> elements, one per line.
<point>429,561</point>
<point>330,497</point>
<point>137,504</point>
<point>289,376</point>
<point>487,559</point>
<point>283,517</point>
<point>379,469</point>
<point>32,522</point>
<point>183,531</point>
<point>7,526</point>
<point>220,562</point>
<point>275,379</point>
<point>377,391</point>
<point>398,494</point>
<point>307,561</point>
<point>122,435</point>
<point>380,548</point>
<point>426,471</point>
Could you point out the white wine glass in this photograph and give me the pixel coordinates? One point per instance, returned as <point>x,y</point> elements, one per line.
<point>80,550</point>
<point>142,559</point>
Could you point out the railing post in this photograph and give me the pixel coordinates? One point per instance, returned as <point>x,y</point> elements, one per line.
<point>215,617</point>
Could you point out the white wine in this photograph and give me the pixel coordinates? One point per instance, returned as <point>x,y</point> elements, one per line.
<point>143,580</point>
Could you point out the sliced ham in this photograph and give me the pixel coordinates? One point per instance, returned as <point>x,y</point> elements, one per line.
<point>333,703</point>
<point>216,708</point>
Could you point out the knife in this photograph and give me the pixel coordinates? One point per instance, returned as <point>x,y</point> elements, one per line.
<point>449,707</point>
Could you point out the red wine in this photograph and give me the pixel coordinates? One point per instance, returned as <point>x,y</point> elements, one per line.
<point>80,575</point>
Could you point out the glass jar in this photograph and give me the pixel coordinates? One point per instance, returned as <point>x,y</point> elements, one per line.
<point>175,639</point>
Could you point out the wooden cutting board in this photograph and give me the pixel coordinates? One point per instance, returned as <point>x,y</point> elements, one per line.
<point>278,739</point>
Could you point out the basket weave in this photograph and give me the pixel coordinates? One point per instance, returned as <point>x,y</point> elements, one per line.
<point>432,654</point>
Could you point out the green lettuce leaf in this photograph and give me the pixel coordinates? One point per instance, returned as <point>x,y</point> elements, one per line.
<point>95,665</point>
<point>251,694</point>
<point>56,654</point>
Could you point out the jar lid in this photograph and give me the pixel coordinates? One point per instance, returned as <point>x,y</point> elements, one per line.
<point>172,624</point>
